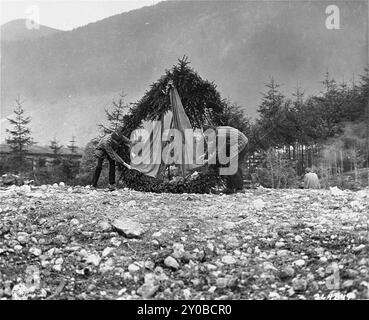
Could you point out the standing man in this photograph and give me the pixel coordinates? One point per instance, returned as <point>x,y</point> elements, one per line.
<point>234,182</point>
<point>107,149</point>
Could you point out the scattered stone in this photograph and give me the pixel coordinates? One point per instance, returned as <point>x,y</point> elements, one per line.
<point>150,277</point>
<point>224,282</point>
<point>210,246</point>
<point>299,285</point>
<point>274,295</point>
<point>298,238</point>
<point>149,265</point>
<point>313,286</point>
<point>187,294</point>
<point>347,284</point>
<point>25,189</point>
<point>74,222</point>
<point>155,242</point>
<point>269,266</point>
<point>23,237</point>
<point>290,292</point>
<point>133,268</point>
<point>229,225</point>
<point>287,272</point>
<point>231,242</point>
<point>115,242</point>
<point>196,282</point>
<point>279,244</point>
<point>336,191</point>
<point>91,287</point>
<point>159,270</point>
<point>351,273</point>
<point>359,248</point>
<point>93,259</point>
<point>19,292</point>
<point>60,239</point>
<point>122,291</point>
<point>299,263</point>
<point>211,267</point>
<point>107,266</point>
<point>178,250</point>
<point>43,293</point>
<point>147,290</point>
<point>283,253</point>
<point>157,234</point>
<point>258,204</point>
<point>59,261</point>
<point>131,203</point>
<point>229,259</point>
<point>212,289</point>
<point>57,267</point>
<point>171,262</point>
<point>35,251</point>
<point>58,264</point>
<point>107,251</point>
<point>129,228</point>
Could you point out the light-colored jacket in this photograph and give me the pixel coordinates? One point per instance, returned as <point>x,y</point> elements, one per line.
<point>222,145</point>
<point>311,181</point>
<point>241,138</point>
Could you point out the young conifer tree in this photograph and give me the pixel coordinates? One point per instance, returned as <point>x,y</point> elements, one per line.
<point>55,146</point>
<point>19,137</point>
<point>72,146</point>
<point>115,114</point>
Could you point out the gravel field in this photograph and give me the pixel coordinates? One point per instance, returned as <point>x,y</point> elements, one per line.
<point>60,242</point>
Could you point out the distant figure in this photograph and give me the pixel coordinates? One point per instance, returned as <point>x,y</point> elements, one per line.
<point>107,149</point>
<point>311,180</point>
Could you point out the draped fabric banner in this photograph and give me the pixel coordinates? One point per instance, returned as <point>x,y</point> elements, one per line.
<point>190,147</point>
<point>147,158</point>
<point>182,123</point>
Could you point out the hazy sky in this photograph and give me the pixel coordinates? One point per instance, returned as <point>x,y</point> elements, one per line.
<point>67,15</point>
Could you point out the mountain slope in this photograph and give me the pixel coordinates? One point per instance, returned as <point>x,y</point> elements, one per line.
<point>17,30</point>
<point>68,78</point>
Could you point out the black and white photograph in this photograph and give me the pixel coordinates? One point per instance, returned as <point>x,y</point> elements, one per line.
<point>197,152</point>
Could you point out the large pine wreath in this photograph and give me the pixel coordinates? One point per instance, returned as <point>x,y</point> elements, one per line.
<point>202,103</point>
<point>205,182</point>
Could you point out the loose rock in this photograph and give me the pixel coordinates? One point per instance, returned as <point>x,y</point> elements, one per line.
<point>129,228</point>
<point>171,262</point>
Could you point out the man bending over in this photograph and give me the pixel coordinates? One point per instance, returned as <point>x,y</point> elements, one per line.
<point>107,149</point>
<point>235,181</point>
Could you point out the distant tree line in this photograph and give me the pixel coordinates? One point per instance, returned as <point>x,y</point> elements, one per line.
<point>53,166</point>
<point>328,131</point>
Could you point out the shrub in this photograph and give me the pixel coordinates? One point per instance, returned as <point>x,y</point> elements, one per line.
<point>277,171</point>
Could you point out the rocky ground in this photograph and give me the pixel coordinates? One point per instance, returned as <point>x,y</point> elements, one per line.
<point>59,242</point>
